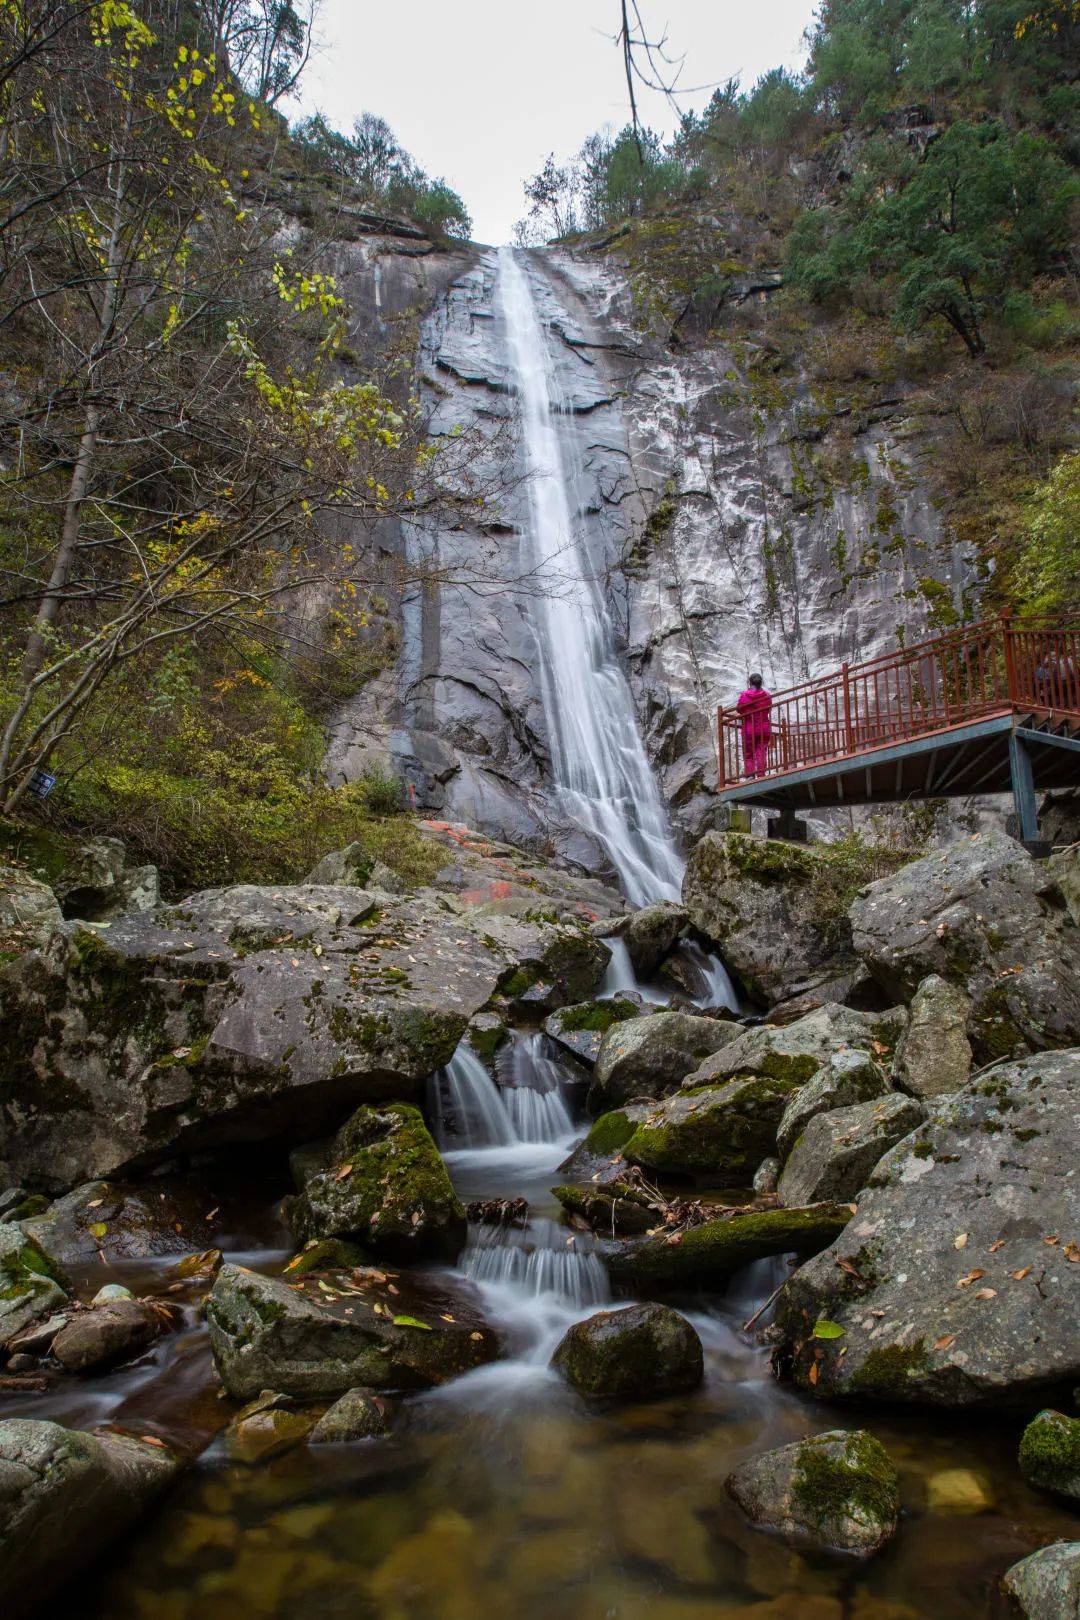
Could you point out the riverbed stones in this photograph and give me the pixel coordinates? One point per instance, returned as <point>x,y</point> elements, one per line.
<point>651,934</point>
<point>720,1132</point>
<point>834,1155</point>
<point>648,1056</point>
<point>104,1334</point>
<point>384,1187</point>
<point>33,1285</point>
<point>580,1030</point>
<point>266,1428</point>
<point>64,1498</point>
<point>987,918</point>
<point>1046,1585</point>
<point>849,1077</point>
<point>956,1283</point>
<point>632,1354</point>
<point>359,1414</point>
<point>330,1332</point>
<point>1050,1454</point>
<point>708,1255</point>
<point>759,903</point>
<point>795,1052</point>
<point>837,1492</point>
<point>934,1056</point>
<point>251,1011</point>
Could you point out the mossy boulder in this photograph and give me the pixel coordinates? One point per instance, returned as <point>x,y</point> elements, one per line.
<point>706,1256</point>
<point>385,1187</point>
<point>651,934</point>
<point>631,1354</point>
<point>934,1055</point>
<point>941,1290</point>
<point>989,920</point>
<point>834,1155</point>
<point>610,1207</point>
<point>266,1428</point>
<point>1046,1585</point>
<point>795,1052</point>
<point>322,1335</point>
<point>848,1077</point>
<point>1050,1454</point>
<point>836,1492</point>
<point>719,1132</point>
<point>648,1056</point>
<point>327,1254</point>
<point>580,1029</point>
<point>31,1283</point>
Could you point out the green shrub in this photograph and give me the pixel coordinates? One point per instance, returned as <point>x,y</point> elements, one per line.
<point>379,791</point>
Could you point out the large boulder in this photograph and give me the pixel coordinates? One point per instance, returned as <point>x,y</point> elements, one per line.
<point>651,934</point>
<point>580,1030</point>
<point>956,1283</point>
<point>720,1132</point>
<point>252,1012</point>
<point>64,1498</point>
<point>986,917</point>
<point>837,1492</point>
<point>761,904</point>
<point>31,1283</point>
<point>834,1155</point>
<point>645,1057</point>
<point>707,1256</point>
<point>121,1220</point>
<point>848,1077</point>
<point>29,911</point>
<point>1050,1454</point>
<point>1064,868</point>
<point>107,1333</point>
<point>795,1052</point>
<point>934,1056</point>
<point>333,1331</point>
<point>1046,1585</point>
<point>385,1187</point>
<point>631,1354</point>
<point>96,883</point>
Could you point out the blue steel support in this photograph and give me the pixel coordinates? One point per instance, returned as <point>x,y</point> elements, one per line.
<point>1023,787</point>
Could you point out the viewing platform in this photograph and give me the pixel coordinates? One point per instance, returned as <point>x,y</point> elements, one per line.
<point>992,707</point>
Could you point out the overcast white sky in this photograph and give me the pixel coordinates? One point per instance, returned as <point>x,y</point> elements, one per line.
<point>480,91</point>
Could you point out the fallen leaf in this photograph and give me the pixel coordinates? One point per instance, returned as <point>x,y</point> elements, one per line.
<point>94,1203</point>
<point>476,1336</point>
<point>152,1440</point>
<point>343,1170</point>
<point>848,1266</point>
<point>445,1317</point>
<point>1051,1241</point>
<point>972,1276</point>
<point>1072,1252</point>
<point>412,1321</point>
<point>960,1240</point>
<point>994,1247</point>
<point>946,1341</point>
<point>824,1329</point>
<point>985,1293</point>
<point>98,1229</point>
<point>814,1373</point>
<point>1018,1276</point>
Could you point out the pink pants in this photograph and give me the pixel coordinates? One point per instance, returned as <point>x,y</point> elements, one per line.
<point>756,754</point>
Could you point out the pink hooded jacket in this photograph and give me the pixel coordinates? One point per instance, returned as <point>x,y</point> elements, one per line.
<point>754,705</point>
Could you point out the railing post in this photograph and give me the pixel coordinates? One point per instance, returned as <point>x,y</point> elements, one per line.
<point>849,741</point>
<point>1012,685</point>
<point>721,774</point>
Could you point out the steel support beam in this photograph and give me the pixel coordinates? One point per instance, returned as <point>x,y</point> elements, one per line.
<point>1023,788</point>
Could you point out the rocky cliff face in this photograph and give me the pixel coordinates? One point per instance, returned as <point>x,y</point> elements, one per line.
<point>732,522</point>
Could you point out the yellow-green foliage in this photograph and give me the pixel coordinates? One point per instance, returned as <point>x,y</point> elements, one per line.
<point>1048,570</point>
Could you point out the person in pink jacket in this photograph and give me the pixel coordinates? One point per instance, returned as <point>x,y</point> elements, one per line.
<point>754,705</point>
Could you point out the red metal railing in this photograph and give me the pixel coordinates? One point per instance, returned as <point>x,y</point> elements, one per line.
<point>996,667</point>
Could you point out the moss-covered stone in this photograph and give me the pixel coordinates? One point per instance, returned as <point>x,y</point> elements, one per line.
<point>616,1206</point>
<point>641,1351</point>
<point>326,1254</point>
<point>838,1491</point>
<point>722,1132</point>
<point>610,1132</point>
<point>580,1029</point>
<point>1050,1453</point>
<point>30,1282</point>
<point>706,1256</point>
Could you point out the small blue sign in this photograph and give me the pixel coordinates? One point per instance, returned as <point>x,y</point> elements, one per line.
<point>41,784</point>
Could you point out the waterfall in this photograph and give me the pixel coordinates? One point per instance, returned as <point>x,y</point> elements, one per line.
<point>470,1111</point>
<point>600,768</point>
<point>467,1107</point>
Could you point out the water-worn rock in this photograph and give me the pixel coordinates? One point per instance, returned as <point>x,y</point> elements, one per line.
<point>706,1256</point>
<point>1050,1454</point>
<point>795,1052</point>
<point>64,1498</point>
<point>759,904</point>
<point>766,1177</point>
<point>1046,1585</point>
<point>985,916</point>
<point>651,934</point>
<point>834,1155</point>
<point>848,1077</point>
<point>934,1055</point>
<point>580,1030</point>
<point>645,1057</point>
<point>107,1333</point>
<point>265,1428</point>
<point>33,1284</point>
<point>121,1220</point>
<point>838,1491</point>
<point>631,1354</point>
<point>722,1132</point>
<point>953,1284</point>
<point>357,1415</point>
<point>321,1335</point>
<point>248,1012</point>
<point>385,1187</point>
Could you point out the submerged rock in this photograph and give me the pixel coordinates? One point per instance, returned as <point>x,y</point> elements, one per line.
<point>848,1077</point>
<point>953,1284</point>
<point>330,1332</point>
<point>721,1132</point>
<point>357,1415</point>
<point>759,902</point>
<point>838,1491</point>
<point>1046,1585</point>
<point>795,1052</point>
<point>634,1353</point>
<point>706,1256</point>
<point>265,1428</point>
<point>646,1057</point>
<point>834,1155</point>
<point>987,918</point>
<point>934,1056</point>
<point>1050,1454</point>
<point>64,1498</point>
<point>385,1187</point>
<point>651,934</point>
<point>32,1283</point>
<point>580,1030</point>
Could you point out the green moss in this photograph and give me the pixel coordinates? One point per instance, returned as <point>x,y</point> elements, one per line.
<point>609,1133</point>
<point>707,1255</point>
<point>852,1478</point>
<point>596,1017</point>
<point>1050,1453</point>
<point>721,1131</point>
<point>886,1371</point>
<point>329,1254</point>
